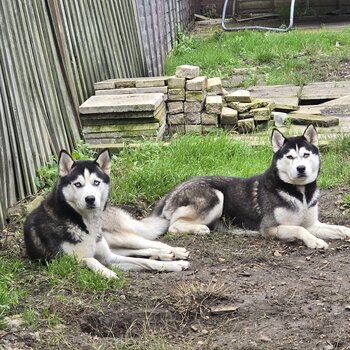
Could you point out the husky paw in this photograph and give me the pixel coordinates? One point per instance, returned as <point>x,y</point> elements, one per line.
<point>344,232</point>
<point>316,243</point>
<point>164,255</point>
<point>175,266</point>
<point>181,253</point>
<point>109,274</point>
<point>201,230</point>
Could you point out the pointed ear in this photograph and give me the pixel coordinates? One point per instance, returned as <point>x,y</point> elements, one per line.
<point>103,160</point>
<point>310,135</point>
<point>277,140</point>
<point>65,163</point>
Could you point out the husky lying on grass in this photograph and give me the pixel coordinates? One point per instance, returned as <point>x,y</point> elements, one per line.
<point>74,219</point>
<point>281,202</point>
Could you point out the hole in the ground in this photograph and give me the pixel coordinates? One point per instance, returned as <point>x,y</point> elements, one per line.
<point>314,102</point>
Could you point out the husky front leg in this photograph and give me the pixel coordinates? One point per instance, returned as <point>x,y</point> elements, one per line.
<point>326,231</point>
<point>139,264</point>
<point>290,232</point>
<point>133,241</point>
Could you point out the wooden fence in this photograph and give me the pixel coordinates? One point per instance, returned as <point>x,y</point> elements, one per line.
<point>51,53</point>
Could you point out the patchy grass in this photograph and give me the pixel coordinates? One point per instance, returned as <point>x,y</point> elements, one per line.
<point>153,169</point>
<point>296,57</point>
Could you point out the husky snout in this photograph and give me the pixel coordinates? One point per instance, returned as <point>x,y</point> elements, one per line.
<point>90,202</point>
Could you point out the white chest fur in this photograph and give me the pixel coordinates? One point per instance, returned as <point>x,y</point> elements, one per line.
<point>297,212</point>
<point>86,247</point>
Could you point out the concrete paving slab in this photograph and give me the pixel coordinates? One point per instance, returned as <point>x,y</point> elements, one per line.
<point>121,103</point>
<point>325,91</point>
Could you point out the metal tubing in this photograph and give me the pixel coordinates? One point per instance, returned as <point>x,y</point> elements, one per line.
<point>291,18</point>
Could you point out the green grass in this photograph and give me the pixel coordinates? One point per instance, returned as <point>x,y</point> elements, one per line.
<point>11,292</point>
<point>153,169</point>
<point>295,57</point>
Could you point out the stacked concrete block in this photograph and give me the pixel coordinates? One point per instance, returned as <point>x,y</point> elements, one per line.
<point>193,93</point>
<point>114,119</point>
<point>252,114</point>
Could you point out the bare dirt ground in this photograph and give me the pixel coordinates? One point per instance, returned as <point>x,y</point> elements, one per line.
<point>239,293</point>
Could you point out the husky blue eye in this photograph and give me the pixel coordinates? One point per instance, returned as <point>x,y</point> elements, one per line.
<point>306,155</point>
<point>290,157</point>
<point>77,184</point>
<point>96,182</point>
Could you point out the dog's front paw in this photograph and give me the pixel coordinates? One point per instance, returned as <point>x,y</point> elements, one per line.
<point>109,274</point>
<point>201,230</point>
<point>344,232</point>
<point>316,243</point>
<point>175,266</point>
<point>181,253</point>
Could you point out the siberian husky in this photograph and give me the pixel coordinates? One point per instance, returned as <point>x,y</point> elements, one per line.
<point>281,202</point>
<point>74,219</point>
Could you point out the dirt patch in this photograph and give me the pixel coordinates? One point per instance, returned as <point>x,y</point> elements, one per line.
<point>240,293</point>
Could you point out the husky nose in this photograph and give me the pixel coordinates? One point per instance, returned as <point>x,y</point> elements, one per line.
<point>301,169</point>
<point>90,200</point>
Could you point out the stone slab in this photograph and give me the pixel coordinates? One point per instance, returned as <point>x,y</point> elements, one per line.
<point>121,103</point>
<point>128,91</point>
<point>175,107</point>
<point>213,104</point>
<point>187,71</point>
<point>215,85</point>
<point>195,96</point>
<point>246,125</point>
<point>197,129</point>
<point>176,83</point>
<point>209,119</point>
<point>120,127</point>
<point>228,116</point>
<point>275,91</point>
<point>193,106</point>
<point>192,118</point>
<point>176,119</point>
<point>325,91</point>
<point>196,84</point>
<point>242,96</point>
<point>176,94</point>
<point>151,82</point>
<point>345,100</point>
<point>317,120</point>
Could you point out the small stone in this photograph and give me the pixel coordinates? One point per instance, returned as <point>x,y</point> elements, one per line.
<point>175,107</point>
<point>213,104</point>
<point>196,84</point>
<point>187,71</point>
<point>176,83</point>
<point>204,331</point>
<point>242,96</point>
<point>215,85</point>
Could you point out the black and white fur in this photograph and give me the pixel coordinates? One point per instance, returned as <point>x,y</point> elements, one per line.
<point>282,202</point>
<point>74,219</point>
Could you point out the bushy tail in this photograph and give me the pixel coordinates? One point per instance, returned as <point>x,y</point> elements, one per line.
<point>150,227</point>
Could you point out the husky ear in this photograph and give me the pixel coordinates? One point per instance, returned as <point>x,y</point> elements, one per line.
<point>277,140</point>
<point>310,135</point>
<point>103,160</point>
<point>65,163</point>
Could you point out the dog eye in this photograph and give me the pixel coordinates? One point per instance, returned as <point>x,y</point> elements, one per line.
<point>306,155</point>
<point>290,157</point>
<point>77,184</point>
<point>96,182</point>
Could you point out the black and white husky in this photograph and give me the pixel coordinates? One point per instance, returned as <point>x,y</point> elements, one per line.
<point>281,202</point>
<point>74,219</point>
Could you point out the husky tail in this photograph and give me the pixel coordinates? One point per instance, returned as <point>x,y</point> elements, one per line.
<point>118,220</point>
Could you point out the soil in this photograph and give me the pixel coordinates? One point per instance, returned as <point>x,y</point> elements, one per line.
<point>239,293</point>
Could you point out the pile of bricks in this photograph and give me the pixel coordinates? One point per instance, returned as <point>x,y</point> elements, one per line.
<point>124,110</point>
